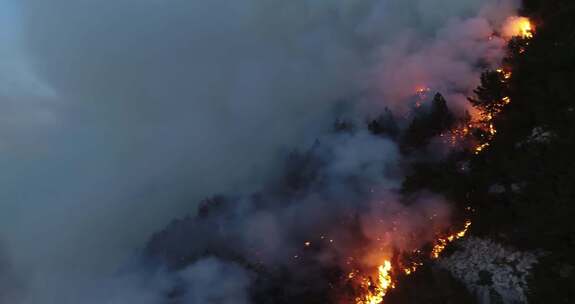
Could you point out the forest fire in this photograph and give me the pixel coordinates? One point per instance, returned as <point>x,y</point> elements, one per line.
<point>373,291</point>
<point>337,156</point>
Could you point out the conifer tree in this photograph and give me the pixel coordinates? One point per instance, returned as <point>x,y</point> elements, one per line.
<point>490,94</point>
<point>385,125</point>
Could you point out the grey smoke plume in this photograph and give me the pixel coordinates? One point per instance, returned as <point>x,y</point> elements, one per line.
<point>118,116</point>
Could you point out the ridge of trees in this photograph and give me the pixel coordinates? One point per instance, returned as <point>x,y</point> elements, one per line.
<point>522,184</point>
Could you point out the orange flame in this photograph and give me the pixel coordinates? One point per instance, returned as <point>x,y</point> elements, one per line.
<point>443,242</point>
<point>375,293</point>
<point>518,27</point>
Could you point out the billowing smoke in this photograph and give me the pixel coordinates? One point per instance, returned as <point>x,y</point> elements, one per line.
<point>122,115</point>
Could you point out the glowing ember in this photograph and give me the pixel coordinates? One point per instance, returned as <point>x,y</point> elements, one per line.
<point>481,147</point>
<point>506,74</point>
<point>457,135</point>
<point>492,130</point>
<point>374,292</point>
<point>443,242</point>
<point>412,268</point>
<point>421,93</point>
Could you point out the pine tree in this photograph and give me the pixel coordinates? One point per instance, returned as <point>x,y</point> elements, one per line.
<point>490,94</point>
<point>428,123</point>
<point>343,126</point>
<point>441,118</point>
<point>385,125</point>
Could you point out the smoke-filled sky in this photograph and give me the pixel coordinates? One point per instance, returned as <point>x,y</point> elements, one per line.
<point>117,116</point>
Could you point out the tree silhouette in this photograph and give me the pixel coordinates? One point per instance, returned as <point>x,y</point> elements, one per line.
<point>384,125</point>
<point>490,95</point>
<point>427,123</point>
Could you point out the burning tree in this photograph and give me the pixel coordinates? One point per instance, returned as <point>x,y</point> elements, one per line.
<point>491,95</point>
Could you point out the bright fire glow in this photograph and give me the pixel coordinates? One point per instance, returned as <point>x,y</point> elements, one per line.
<point>375,292</point>
<point>422,91</point>
<point>525,28</point>
<point>518,27</point>
<point>481,147</point>
<point>506,74</point>
<point>443,242</point>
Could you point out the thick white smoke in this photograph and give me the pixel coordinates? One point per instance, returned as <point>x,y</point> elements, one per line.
<point>120,115</point>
